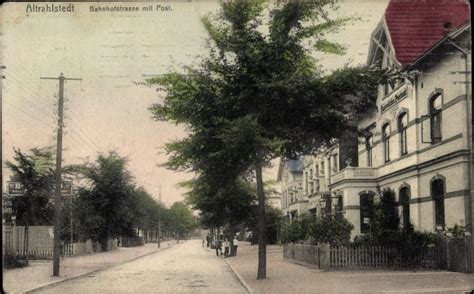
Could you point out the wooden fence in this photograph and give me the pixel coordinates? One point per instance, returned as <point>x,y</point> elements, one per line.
<point>369,257</point>
<point>66,250</point>
<point>131,242</point>
<point>365,257</point>
<point>459,254</point>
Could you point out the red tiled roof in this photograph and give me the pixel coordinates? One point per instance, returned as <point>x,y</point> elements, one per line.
<point>415,26</point>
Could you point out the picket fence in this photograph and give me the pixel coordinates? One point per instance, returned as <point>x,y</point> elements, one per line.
<point>66,250</point>
<point>366,257</point>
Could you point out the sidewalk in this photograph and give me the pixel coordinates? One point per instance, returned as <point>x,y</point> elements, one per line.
<point>39,273</point>
<point>287,277</point>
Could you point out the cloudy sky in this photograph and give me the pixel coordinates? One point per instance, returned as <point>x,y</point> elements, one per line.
<point>111,52</point>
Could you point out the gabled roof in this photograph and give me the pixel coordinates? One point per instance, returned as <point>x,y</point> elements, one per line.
<point>415,26</point>
<point>293,166</point>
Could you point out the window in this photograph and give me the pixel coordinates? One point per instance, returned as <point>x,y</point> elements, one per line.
<point>328,204</point>
<point>334,163</point>
<point>322,168</point>
<point>339,207</point>
<point>386,141</point>
<point>317,170</point>
<point>366,212</point>
<point>405,203</point>
<point>435,118</point>
<point>437,193</point>
<point>402,128</point>
<point>311,174</point>
<point>369,144</point>
<point>306,182</point>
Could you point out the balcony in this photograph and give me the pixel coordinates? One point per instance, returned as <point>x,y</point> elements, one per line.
<point>357,173</point>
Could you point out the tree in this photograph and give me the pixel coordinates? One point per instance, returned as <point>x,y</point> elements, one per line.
<point>183,221</point>
<point>260,95</point>
<point>103,208</point>
<point>35,172</point>
<point>220,203</point>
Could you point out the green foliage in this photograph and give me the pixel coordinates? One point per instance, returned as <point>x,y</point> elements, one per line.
<point>259,95</point>
<point>104,208</point>
<point>35,171</point>
<point>457,231</point>
<point>12,261</point>
<point>385,223</point>
<point>182,220</point>
<point>220,202</point>
<point>273,221</point>
<point>328,229</point>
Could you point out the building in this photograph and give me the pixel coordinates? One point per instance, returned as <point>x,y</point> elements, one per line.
<point>293,201</point>
<point>418,141</point>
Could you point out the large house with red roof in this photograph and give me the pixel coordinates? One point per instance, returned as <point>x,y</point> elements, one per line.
<point>418,142</point>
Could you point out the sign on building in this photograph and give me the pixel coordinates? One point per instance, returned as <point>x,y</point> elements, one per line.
<point>17,189</point>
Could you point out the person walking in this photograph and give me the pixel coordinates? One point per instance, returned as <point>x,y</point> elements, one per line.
<point>235,244</point>
<point>218,245</point>
<point>226,247</point>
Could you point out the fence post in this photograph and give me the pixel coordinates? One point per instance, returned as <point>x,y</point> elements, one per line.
<point>324,253</point>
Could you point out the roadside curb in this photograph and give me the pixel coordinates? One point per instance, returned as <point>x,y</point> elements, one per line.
<point>32,290</point>
<point>239,277</point>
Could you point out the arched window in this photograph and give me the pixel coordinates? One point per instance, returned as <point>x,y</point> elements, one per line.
<point>386,141</point>
<point>404,198</point>
<point>369,144</point>
<point>435,117</point>
<point>402,128</point>
<point>366,212</point>
<point>437,193</point>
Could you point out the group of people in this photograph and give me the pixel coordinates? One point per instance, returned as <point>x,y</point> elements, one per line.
<point>223,246</point>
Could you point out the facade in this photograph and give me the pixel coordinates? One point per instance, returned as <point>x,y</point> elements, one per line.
<point>418,141</point>
<point>293,201</point>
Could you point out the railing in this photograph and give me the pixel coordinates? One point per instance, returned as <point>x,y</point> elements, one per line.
<point>354,173</point>
<point>368,257</point>
<point>365,257</point>
<point>131,242</point>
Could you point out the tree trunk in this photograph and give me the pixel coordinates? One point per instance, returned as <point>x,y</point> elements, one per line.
<point>262,246</point>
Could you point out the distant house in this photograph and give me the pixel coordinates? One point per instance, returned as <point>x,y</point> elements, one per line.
<point>293,201</point>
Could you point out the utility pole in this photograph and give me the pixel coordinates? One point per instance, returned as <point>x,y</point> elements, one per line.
<point>58,180</point>
<point>159,222</point>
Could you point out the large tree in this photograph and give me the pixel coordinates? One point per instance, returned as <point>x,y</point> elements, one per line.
<point>105,205</point>
<point>35,172</point>
<point>259,94</point>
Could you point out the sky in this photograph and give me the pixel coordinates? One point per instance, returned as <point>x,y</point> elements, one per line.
<point>113,52</point>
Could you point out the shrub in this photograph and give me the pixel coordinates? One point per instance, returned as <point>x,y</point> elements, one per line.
<point>12,261</point>
<point>333,230</point>
<point>311,229</point>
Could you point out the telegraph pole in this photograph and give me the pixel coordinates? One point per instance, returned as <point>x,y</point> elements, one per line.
<point>159,222</point>
<point>57,190</point>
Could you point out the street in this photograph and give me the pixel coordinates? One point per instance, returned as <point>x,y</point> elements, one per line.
<point>184,268</point>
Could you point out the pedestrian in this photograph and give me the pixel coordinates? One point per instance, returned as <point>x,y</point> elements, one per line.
<point>226,247</point>
<point>218,246</point>
<point>235,244</point>
<point>203,241</point>
<point>208,239</point>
